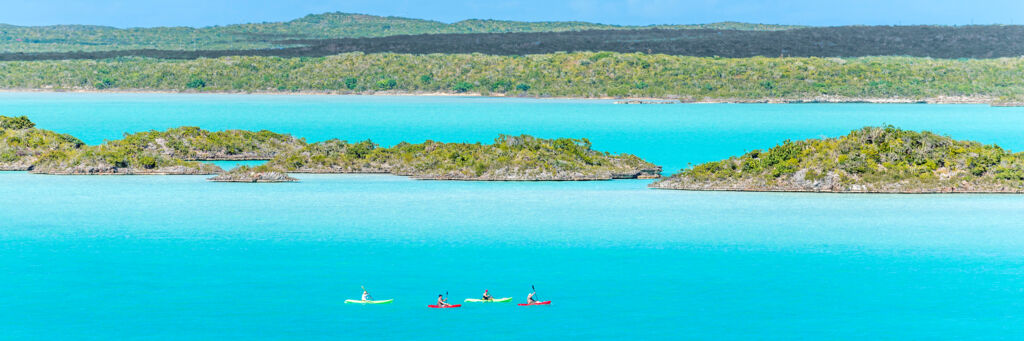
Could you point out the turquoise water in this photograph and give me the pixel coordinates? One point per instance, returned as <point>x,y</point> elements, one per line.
<point>668,135</point>
<point>177,257</point>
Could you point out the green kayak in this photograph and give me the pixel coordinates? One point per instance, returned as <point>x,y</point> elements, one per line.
<point>369,302</point>
<point>496,300</point>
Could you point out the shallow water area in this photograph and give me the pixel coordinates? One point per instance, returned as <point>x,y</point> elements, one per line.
<point>178,257</point>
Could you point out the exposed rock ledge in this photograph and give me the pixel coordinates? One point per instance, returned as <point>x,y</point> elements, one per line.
<point>254,177</point>
<point>202,169</point>
<point>830,184</point>
<point>535,175</point>
<point>253,174</point>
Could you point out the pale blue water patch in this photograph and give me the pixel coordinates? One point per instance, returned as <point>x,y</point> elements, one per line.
<point>226,165</point>
<point>668,135</point>
<point>178,257</point>
<point>181,258</point>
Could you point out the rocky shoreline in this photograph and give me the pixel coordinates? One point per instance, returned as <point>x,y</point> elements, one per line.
<point>960,188</point>
<point>203,169</point>
<point>990,100</point>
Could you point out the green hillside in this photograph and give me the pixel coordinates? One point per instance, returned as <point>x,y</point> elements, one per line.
<point>67,38</point>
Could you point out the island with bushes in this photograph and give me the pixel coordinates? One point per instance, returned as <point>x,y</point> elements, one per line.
<point>509,158</point>
<point>261,173</point>
<point>869,160</point>
<point>180,151</point>
<point>21,143</point>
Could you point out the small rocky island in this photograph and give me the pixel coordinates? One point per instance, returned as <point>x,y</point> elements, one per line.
<point>262,173</point>
<point>869,160</point>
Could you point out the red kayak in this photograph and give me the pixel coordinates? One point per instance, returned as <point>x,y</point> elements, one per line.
<point>447,306</point>
<point>538,303</point>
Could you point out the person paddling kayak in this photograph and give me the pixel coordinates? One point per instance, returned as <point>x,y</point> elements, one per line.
<point>530,299</point>
<point>366,296</point>
<point>441,302</point>
<point>487,296</point>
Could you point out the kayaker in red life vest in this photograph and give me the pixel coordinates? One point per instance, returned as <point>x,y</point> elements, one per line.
<point>441,302</point>
<point>487,296</point>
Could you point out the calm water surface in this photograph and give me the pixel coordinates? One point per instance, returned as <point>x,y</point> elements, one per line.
<point>177,257</point>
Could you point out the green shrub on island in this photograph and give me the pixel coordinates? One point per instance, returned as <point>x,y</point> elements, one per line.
<point>167,152</point>
<point>21,143</point>
<point>508,158</point>
<point>117,157</point>
<point>583,74</point>
<point>872,159</point>
<point>15,123</point>
<point>336,156</point>
<point>193,143</point>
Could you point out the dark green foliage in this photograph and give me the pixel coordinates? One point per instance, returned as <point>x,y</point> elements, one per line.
<point>386,84</point>
<point>195,83</point>
<point>104,83</point>
<point>462,87</point>
<point>995,41</point>
<point>351,83</point>
<point>16,123</point>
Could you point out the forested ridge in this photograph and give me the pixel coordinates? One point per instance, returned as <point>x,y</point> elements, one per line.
<point>68,38</point>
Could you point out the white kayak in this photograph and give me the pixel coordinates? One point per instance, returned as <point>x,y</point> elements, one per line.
<point>369,302</point>
<point>496,300</point>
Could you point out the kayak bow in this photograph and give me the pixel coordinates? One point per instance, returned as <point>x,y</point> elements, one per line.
<point>369,302</point>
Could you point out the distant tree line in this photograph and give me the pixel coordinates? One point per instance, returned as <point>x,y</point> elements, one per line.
<point>582,74</point>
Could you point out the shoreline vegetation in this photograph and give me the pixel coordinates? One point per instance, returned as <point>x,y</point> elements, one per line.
<point>177,151</point>
<point>604,75</point>
<point>869,160</point>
